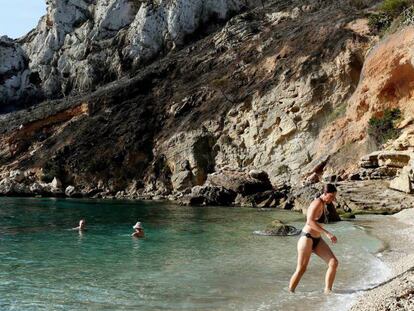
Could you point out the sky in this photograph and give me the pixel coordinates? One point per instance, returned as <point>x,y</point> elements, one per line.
<point>18,17</point>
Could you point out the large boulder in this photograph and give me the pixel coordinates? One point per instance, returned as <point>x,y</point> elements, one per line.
<point>21,189</point>
<point>210,195</point>
<point>394,158</point>
<point>369,160</point>
<point>402,183</point>
<point>190,158</point>
<point>240,182</point>
<point>7,186</point>
<point>375,159</point>
<point>56,184</point>
<point>36,188</point>
<point>70,191</point>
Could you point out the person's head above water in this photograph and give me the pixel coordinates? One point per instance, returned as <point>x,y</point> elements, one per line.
<point>82,224</point>
<point>137,226</point>
<point>328,193</point>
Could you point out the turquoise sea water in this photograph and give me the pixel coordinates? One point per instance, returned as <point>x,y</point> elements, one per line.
<point>191,259</point>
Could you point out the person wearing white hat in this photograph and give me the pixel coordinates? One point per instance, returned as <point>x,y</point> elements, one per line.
<point>138,231</point>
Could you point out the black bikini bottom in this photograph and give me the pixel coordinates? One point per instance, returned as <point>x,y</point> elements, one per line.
<point>315,241</point>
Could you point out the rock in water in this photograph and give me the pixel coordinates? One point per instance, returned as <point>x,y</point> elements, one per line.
<point>278,228</point>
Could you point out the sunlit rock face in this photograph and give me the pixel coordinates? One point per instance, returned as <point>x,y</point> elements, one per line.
<point>254,94</point>
<point>80,45</point>
<point>15,77</point>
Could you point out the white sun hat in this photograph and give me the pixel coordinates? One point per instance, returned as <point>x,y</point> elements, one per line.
<point>137,225</point>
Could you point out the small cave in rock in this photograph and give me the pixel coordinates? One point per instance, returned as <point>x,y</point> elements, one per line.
<point>355,65</point>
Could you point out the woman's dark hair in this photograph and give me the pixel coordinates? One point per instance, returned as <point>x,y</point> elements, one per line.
<point>329,188</point>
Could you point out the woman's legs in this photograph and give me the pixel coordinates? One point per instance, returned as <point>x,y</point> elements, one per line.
<point>323,251</point>
<point>304,253</point>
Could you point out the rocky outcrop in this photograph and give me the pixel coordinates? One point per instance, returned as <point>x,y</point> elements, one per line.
<point>16,79</point>
<point>383,164</point>
<point>373,195</point>
<point>80,45</point>
<point>235,187</point>
<point>396,166</point>
<point>240,182</point>
<point>386,83</point>
<point>210,195</point>
<point>251,95</point>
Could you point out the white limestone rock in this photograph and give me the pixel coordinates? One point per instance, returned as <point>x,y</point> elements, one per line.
<point>80,44</point>
<point>14,73</point>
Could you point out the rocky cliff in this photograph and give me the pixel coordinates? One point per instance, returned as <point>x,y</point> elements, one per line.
<point>277,87</point>
<point>80,45</point>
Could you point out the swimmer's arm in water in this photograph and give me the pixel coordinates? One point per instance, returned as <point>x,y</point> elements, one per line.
<point>311,217</point>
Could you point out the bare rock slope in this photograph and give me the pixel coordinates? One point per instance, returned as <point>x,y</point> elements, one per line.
<point>254,94</point>
<point>80,45</point>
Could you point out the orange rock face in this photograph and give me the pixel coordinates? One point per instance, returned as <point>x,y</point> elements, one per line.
<point>387,81</point>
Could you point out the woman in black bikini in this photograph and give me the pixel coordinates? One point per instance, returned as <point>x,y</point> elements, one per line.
<point>311,240</point>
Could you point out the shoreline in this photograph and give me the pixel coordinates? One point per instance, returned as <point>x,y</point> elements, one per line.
<point>397,291</point>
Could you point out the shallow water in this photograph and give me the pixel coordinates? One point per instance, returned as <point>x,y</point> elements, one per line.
<point>191,259</point>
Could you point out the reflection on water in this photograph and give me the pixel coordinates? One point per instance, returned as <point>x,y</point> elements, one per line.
<point>190,259</point>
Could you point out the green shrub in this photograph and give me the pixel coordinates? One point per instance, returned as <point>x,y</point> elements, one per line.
<point>391,11</point>
<point>383,128</point>
<point>394,7</point>
<point>379,21</point>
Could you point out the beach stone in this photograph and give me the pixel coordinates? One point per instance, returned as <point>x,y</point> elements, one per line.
<point>332,213</point>
<point>70,191</point>
<point>36,188</point>
<point>21,189</point>
<point>354,176</point>
<point>6,186</point>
